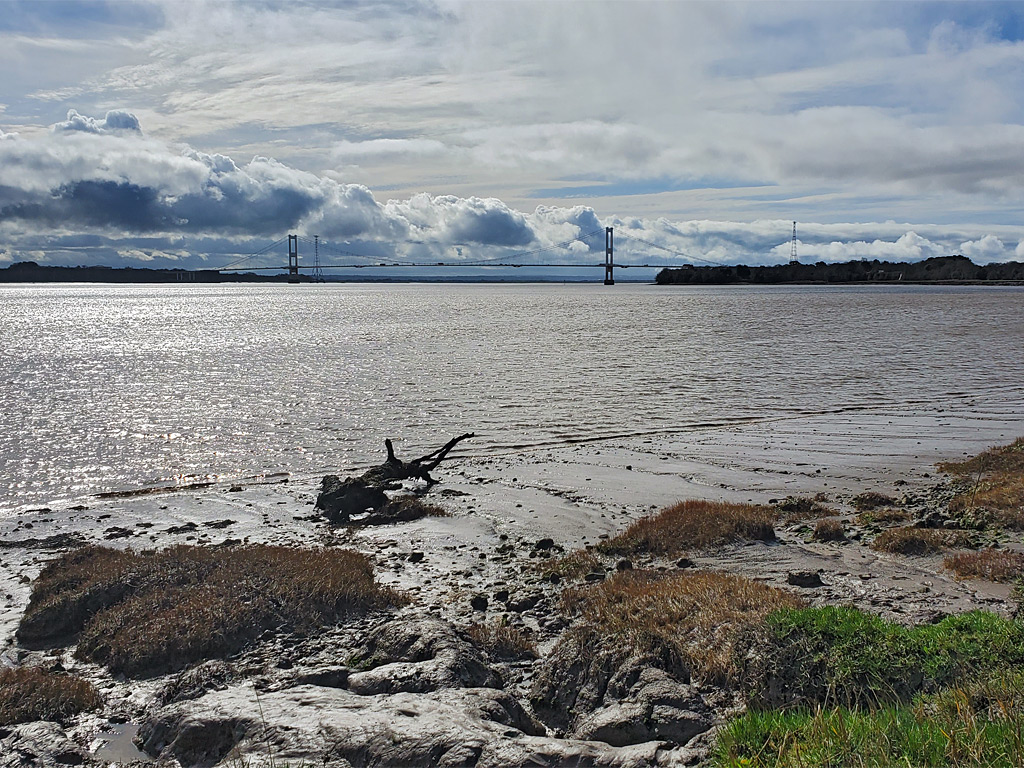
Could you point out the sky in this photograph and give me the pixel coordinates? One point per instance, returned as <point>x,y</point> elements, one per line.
<point>186,133</point>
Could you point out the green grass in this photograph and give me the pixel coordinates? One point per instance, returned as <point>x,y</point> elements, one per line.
<point>839,656</point>
<point>971,726</point>
<point>159,611</point>
<point>31,693</point>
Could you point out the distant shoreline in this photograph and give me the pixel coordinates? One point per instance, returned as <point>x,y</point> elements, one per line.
<point>942,270</point>
<point>946,270</point>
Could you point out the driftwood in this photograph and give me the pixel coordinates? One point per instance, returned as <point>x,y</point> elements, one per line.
<point>340,500</point>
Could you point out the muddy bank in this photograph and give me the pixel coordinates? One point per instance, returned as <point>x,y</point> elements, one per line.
<point>422,684</point>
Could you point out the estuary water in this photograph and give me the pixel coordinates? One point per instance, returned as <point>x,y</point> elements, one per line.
<point>112,387</point>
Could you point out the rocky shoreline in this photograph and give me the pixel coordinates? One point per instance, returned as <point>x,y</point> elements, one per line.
<point>476,669</point>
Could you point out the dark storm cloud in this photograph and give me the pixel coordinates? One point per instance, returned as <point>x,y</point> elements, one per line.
<point>491,225</point>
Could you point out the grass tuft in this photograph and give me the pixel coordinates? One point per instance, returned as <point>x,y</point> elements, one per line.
<point>996,479</point>
<point>574,565</point>
<point>909,540</point>
<point>689,620</point>
<point>504,641</point>
<point>868,500</point>
<point>997,565</point>
<point>693,525</point>
<point>883,516</point>
<point>32,693</point>
<point>829,530</point>
<point>159,611</point>
<point>794,508</point>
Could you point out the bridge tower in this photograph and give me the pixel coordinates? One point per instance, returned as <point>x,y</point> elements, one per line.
<point>792,247</point>
<point>293,258</point>
<point>609,255</point>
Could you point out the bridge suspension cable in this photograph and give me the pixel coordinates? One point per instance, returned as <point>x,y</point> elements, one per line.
<point>670,250</point>
<point>254,254</point>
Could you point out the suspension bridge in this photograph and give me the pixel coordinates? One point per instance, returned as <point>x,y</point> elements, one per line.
<point>341,258</point>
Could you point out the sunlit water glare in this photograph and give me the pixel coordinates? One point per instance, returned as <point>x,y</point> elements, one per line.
<point>108,387</point>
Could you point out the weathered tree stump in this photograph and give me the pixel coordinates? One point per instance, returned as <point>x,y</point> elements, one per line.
<point>341,500</point>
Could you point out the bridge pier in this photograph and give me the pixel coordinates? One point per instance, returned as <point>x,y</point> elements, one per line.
<point>609,256</point>
<point>293,258</point>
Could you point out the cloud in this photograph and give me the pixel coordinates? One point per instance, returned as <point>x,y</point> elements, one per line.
<point>115,181</point>
<point>834,109</point>
<point>392,150</point>
<point>116,120</point>
<point>111,191</point>
<point>986,250</point>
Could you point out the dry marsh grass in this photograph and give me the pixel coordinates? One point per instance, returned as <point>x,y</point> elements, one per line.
<point>997,565</point>
<point>690,620</point>
<point>693,525</point>
<point>574,565</point>
<point>503,641</point>
<point>868,500</point>
<point>996,478</point>
<point>796,508</point>
<point>32,693</point>
<point>156,611</point>
<point>883,516</point>
<point>908,540</point>
<point>829,530</point>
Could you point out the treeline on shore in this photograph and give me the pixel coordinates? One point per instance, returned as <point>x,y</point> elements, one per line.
<point>31,272</point>
<point>937,269</point>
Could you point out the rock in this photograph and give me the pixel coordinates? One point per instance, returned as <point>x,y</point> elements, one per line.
<point>329,677</point>
<point>340,499</point>
<point>526,602</point>
<point>684,562</point>
<point>193,683</point>
<point>194,740</point>
<point>501,595</point>
<point>417,656</point>
<point>602,693</point>
<point>57,541</point>
<point>117,532</point>
<point>544,544</point>
<point>624,565</point>
<point>805,579</point>
<point>478,602</point>
<point>657,707</point>
<point>415,557</point>
<point>39,745</point>
<point>594,576</point>
<point>330,727</point>
<point>179,529</point>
